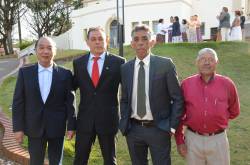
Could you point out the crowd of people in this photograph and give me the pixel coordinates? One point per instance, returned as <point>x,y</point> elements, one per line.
<point>152,108</point>
<point>228,31</point>
<point>190,30</point>
<point>175,32</point>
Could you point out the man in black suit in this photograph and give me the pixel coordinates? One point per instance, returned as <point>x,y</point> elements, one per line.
<point>43,104</point>
<point>97,75</point>
<point>151,103</point>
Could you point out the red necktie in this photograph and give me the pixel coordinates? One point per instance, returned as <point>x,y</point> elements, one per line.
<point>95,71</point>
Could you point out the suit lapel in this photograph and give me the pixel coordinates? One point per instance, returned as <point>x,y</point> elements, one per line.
<point>53,83</point>
<point>151,73</point>
<point>84,70</point>
<point>35,79</point>
<point>131,77</point>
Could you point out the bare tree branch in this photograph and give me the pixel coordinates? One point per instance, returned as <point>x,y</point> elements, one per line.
<point>49,17</point>
<point>8,18</point>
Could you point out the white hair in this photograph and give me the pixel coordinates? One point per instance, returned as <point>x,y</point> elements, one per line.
<point>205,51</point>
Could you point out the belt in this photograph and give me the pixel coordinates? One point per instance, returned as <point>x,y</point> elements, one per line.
<point>206,134</point>
<point>144,123</point>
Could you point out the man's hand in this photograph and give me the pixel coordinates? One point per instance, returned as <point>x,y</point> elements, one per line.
<point>182,150</point>
<point>19,136</point>
<point>70,135</point>
<point>172,132</point>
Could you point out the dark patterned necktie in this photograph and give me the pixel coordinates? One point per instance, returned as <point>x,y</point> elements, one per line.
<point>141,95</point>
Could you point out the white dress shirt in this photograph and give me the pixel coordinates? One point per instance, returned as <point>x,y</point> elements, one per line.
<point>100,62</point>
<point>161,28</point>
<point>146,66</point>
<point>45,80</point>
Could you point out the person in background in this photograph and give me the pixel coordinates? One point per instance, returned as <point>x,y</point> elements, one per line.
<point>161,31</point>
<point>170,29</point>
<point>192,36</point>
<point>236,33</point>
<point>176,34</point>
<point>242,24</point>
<point>184,28</point>
<point>210,102</point>
<point>198,28</point>
<point>224,24</point>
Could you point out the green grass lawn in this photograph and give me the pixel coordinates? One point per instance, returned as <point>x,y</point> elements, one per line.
<point>234,61</point>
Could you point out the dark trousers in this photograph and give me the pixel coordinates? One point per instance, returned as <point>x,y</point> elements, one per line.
<point>37,148</point>
<point>140,139</point>
<point>160,38</point>
<point>84,142</point>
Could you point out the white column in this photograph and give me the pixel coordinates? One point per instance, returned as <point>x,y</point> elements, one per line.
<point>236,5</point>
<point>247,10</point>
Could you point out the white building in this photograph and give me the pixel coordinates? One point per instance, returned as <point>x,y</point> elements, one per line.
<point>103,13</point>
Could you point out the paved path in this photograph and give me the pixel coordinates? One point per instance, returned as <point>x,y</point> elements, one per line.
<point>7,66</point>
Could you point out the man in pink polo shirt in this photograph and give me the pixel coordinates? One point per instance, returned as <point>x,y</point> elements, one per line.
<point>211,100</point>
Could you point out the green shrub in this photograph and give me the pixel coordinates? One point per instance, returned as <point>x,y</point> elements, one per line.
<point>25,44</point>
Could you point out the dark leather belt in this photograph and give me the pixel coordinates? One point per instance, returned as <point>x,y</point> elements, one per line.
<point>205,134</point>
<point>144,123</point>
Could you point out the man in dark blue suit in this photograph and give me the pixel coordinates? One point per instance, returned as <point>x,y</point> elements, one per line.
<point>97,75</point>
<point>43,105</point>
<point>151,103</point>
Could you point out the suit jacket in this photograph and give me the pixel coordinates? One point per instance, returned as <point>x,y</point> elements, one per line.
<point>176,29</point>
<point>98,108</point>
<point>38,119</point>
<point>165,97</point>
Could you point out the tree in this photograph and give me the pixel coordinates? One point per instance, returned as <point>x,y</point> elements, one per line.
<point>77,4</point>
<point>49,17</point>
<point>1,31</point>
<point>8,17</point>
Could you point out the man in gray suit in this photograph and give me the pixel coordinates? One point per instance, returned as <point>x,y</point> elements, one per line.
<point>151,103</point>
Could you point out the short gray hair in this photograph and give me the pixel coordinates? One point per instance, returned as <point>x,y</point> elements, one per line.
<point>209,51</point>
<point>141,27</point>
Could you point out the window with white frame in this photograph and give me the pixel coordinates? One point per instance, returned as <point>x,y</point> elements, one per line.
<point>154,26</point>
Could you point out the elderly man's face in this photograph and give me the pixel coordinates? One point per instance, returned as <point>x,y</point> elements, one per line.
<point>45,52</point>
<point>206,64</point>
<point>97,42</point>
<point>141,43</point>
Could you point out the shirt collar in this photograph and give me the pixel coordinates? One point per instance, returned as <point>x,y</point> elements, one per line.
<point>146,60</point>
<point>102,56</point>
<point>41,68</point>
<point>211,79</point>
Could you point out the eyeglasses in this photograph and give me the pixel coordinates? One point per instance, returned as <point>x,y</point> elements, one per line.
<point>207,60</point>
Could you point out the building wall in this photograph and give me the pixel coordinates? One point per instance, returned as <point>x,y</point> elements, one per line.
<point>96,15</point>
<point>135,11</point>
<point>247,10</point>
<point>153,12</point>
<point>138,11</point>
<point>64,41</point>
